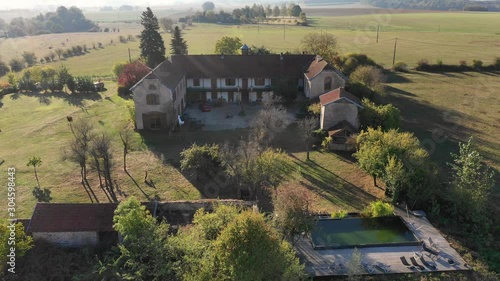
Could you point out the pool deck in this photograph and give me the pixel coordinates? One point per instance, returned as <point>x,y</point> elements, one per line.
<point>331,262</point>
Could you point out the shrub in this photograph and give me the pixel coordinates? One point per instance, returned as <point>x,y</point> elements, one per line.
<point>319,135</point>
<point>378,209</point>
<point>423,65</point>
<point>496,63</point>
<point>123,91</point>
<point>370,76</point>
<point>16,65</point>
<point>122,39</point>
<point>340,214</point>
<point>84,84</point>
<point>29,58</point>
<point>4,68</point>
<point>400,66</point>
<point>325,144</point>
<point>477,64</point>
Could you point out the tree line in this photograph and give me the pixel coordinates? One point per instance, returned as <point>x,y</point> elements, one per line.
<point>248,14</point>
<point>60,21</point>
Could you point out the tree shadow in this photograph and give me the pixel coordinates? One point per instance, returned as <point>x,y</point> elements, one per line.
<point>74,99</point>
<point>394,77</point>
<point>136,184</point>
<point>332,187</point>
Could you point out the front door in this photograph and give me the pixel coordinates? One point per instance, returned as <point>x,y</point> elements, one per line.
<point>214,83</point>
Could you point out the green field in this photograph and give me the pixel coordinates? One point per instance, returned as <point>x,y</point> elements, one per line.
<point>461,36</point>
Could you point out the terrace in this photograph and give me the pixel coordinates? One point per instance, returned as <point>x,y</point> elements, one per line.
<point>383,258</point>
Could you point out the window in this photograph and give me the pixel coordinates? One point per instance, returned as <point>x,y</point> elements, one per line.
<point>259,81</point>
<point>152,99</point>
<point>196,82</point>
<point>155,123</point>
<point>152,87</point>
<point>328,83</point>
<point>230,82</point>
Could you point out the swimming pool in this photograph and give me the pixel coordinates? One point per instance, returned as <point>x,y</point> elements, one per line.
<point>362,232</point>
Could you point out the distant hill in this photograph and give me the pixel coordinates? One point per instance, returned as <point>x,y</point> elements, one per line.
<point>60,21</point>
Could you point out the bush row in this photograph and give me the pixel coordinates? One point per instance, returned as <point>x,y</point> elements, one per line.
<point>424,65</point>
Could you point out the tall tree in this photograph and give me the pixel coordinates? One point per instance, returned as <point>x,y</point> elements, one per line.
<point>126,137</point>
<point>276,11</point>
<point>471,180</point>
<point>323,44</point>
<point>306,127</point>
<point>152,45</point>
<point>208,6</point>
<point>228,45</point>
<point>178,45</point>
<point>35,161</point>
<point>142,254</point>
<point>166,24</point>
<point>292,215</point>
<point>247,249</point>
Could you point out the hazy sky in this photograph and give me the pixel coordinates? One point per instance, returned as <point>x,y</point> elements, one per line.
<point>30,4</point>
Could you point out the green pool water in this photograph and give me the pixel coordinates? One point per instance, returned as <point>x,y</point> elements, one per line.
<point>361,232</point>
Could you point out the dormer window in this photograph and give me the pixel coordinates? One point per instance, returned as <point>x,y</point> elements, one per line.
<point>152,87</point>
<point>230,82</point>
<point>153,99</point>
<point>196,82</point>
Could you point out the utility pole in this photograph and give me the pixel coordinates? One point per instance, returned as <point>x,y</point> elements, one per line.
<point>378,27</point>
<point>129,57</point>
<point>394,56</point>
<point>284,32</point>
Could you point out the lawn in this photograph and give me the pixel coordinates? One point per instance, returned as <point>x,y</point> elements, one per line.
<point>443,109</point>
<point>35,124</point>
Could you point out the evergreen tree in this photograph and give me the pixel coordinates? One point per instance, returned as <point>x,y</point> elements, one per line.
<point>152,45</point>
<point>178,45</point>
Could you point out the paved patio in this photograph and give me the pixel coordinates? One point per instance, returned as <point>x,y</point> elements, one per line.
<point>216,119</point>
<point>332,262</point>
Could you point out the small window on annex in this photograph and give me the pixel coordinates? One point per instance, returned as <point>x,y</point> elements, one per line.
<point>152,87</point>
<point>328,83</point>
<point>152,99</point>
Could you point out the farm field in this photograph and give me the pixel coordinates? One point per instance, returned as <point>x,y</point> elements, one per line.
<point>461,36</point>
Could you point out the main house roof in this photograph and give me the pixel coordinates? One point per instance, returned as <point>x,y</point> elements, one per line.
<point>233,66</point>
<point>62,217</point>
<point>167,73</point>
<point>338,94</point>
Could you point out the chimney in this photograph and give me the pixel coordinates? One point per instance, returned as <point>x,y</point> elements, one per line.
<point>281,56</point>
<point>245,50</point>
<point>222,56</point>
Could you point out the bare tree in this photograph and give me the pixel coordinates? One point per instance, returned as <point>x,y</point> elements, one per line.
<point>103,161</point>
<point>126,137</point>
<point>306,128</point>
<point>78,151</point>
<point>269,122</point>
